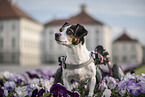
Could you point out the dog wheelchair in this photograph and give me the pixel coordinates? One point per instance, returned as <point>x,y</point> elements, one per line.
<point>100,57</point>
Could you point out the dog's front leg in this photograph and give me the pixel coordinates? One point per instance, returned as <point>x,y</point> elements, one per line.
<point>92,84</point>
<point>67,84</point>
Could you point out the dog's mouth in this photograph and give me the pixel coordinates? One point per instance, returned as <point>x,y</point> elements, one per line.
<point>60,42</point>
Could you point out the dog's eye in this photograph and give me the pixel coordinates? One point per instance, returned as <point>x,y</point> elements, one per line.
<point>69,32</point>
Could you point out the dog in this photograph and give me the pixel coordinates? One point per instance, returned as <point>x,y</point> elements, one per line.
<point>79,65</point>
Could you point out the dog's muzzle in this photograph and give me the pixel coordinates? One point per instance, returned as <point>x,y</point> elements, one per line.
<point>57,36</point>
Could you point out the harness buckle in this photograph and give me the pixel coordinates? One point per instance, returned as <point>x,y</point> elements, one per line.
<point>61,61</point>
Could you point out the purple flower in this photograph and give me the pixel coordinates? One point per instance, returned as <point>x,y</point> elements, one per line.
<point>143,74</point>
<point>5,91</point>
<point>129,76</point>
<point>35,93</point>
<point>7,74</point>
<point>45,73</point>
<point>21,91</point>
<point>1,82</point>
<point>142,78</point>
<point>75,85</point>
<point>46,84</point>
<point>58,90</point>
<point>122,92</point>
<point>26,76</point>
<point>107,93</point>
<point>34,81</point>
<point>1,92</point>
<point>102,86</point>
<point>105,78</point>
<point>10,84</point>
<point>111,82</point>
<point>130,81</point>
<point>133,87</point>
<point>30,90</point>
<point>40,93</point>
<point>19,81</point>
<point>74,94</point>
<point>121,88</point>
<point>32,75</point>
<point>11,78</point>
<point>142,83</point>
<point>139,77</point>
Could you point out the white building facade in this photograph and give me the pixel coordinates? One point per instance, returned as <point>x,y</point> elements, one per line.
<point>24,41</point>
<point>127,51</point>
<point>98,34</point>
<point>20,36</point>
<point>30,42</point>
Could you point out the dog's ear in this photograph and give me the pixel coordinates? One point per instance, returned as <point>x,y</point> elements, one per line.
<point>80,31</point>
<point>64,25</point>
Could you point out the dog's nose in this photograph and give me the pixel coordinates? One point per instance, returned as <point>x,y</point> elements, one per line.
<point>57,34</point>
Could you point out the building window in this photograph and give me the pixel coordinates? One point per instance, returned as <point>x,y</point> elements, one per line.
<point>13,42</point>
<point>13,26</point>
<point>133,47</point>
<point>1,27</point>
<point>115,59</point>
<point>115,48</point>
<point>13,58</point>
<point>124,59</point>
<point>51,32</point>
<point>133,57</point>
<point>1,43</point>
<point>25,43</point>
<point>51,44</point>
<point>50,40</point>
<point>1,58</point>
<point>97,36</point>
<point>124,46</point>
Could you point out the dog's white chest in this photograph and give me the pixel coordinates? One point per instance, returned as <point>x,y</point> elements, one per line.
<point>81,75</point>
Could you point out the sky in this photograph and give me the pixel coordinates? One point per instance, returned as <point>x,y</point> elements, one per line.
<point>120,15</point>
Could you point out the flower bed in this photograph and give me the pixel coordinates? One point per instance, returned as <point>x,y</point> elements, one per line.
<point>39,83</point>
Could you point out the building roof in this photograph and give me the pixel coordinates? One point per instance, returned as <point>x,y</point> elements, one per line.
<point>125,37</point>
<point>82,18</point>
<point>10,10</point>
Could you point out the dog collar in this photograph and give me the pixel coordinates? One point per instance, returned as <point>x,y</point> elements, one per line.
<point>74,66</point>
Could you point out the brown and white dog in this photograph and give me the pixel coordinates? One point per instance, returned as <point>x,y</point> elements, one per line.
<point>72,36</point>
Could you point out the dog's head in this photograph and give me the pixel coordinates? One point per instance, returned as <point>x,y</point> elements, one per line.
<point>71,34</point>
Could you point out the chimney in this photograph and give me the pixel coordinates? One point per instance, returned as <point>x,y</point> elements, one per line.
<point>83,8</point>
